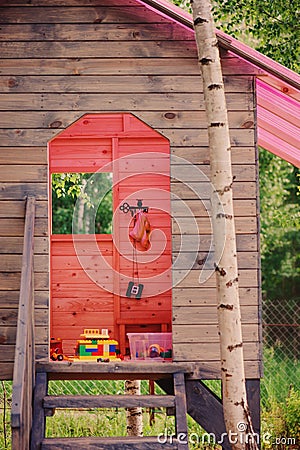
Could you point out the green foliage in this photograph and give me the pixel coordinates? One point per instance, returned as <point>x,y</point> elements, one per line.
<point>271,25</point>
<point>81,203</point>
<point>184,4</point>
<point>280,397</point>
<point>292,414</point>
<point>67,184</point>
<point>280,226</point>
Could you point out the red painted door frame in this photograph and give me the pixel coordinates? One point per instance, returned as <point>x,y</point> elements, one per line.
<point>139,159</point>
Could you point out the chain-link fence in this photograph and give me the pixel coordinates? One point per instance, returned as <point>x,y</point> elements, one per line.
<point>280,392</point>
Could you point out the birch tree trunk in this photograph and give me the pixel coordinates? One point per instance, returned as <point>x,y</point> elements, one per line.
<point>134,416</point>
<point>236,412</point>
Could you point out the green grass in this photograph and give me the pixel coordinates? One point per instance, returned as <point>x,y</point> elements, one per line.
<point>280,398</point>
<point>280,402</point>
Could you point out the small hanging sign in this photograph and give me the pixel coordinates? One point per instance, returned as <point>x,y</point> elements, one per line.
<point>134,290</point>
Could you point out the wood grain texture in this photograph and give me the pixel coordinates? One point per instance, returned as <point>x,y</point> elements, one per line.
<point>177,137</point>
<point>109,401</point>
<point>200,155</point>
<point>209,351</point>
<point>121,83</point>
<point>247,278</point>
<point>204,333</point>
<point>243,225</point>
<point>10,299</point>
<point>92,32</point>
<point>16,228</point>
<point>159,119</point>
<point>93,102</point>
<point>19,191</point>
<point>84,14</point>
<point>13,245</point>
<point>70,49</point>
<point>9,317</point>
<point>245,242</point>
<point>106,66</point>
<point>201,315</point>
<point>207,296</point>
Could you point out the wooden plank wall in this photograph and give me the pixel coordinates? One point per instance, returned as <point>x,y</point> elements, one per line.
<point>60,59</point>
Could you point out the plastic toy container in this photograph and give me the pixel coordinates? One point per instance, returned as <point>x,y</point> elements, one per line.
<point>150,346</point>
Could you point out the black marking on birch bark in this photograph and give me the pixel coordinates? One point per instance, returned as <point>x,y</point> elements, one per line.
<point>239,403</point>
<point>230,283</point>
<point>200,20</point>
<point>232,347</point>
<point>221,270</point>
<point>217,124</point>
<point>223,306</point>
<point>205,61</point>
<point>224,216</point>
<point>245,408</point>
<point>133,414</point>
<point>131,389</point>
<point>214,86</point>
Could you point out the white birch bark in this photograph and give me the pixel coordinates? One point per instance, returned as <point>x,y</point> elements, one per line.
<point>134,416</point>
<point>236,411</point>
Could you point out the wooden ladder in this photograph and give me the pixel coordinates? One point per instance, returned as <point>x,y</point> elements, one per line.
<point>44,405</point>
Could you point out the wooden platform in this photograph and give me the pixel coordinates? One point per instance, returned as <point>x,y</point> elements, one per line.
<point>142,370</point>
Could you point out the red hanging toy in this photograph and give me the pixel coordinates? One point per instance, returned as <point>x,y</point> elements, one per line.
<point>141,230</point>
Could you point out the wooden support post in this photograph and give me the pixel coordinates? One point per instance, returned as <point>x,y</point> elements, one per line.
<point>180,411</point>
<point>253,394</point>
<point>39,419</point>
<point>206,408</point>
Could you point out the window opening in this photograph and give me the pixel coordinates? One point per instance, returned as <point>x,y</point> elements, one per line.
<point>82,203</point>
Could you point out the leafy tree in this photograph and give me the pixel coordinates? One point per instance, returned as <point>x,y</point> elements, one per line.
<point>271,26</point>
<point>81,203</point>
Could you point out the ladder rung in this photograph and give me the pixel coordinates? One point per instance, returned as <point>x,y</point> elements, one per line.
<point>114,443</point>
<point>108,401</point>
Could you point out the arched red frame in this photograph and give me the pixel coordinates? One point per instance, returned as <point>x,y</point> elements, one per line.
<point>88,290</point>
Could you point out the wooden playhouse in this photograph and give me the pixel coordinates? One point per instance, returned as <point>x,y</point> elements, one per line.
<point>113,87</point>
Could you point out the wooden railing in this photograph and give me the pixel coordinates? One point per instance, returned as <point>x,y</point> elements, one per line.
<point>24,373</point>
